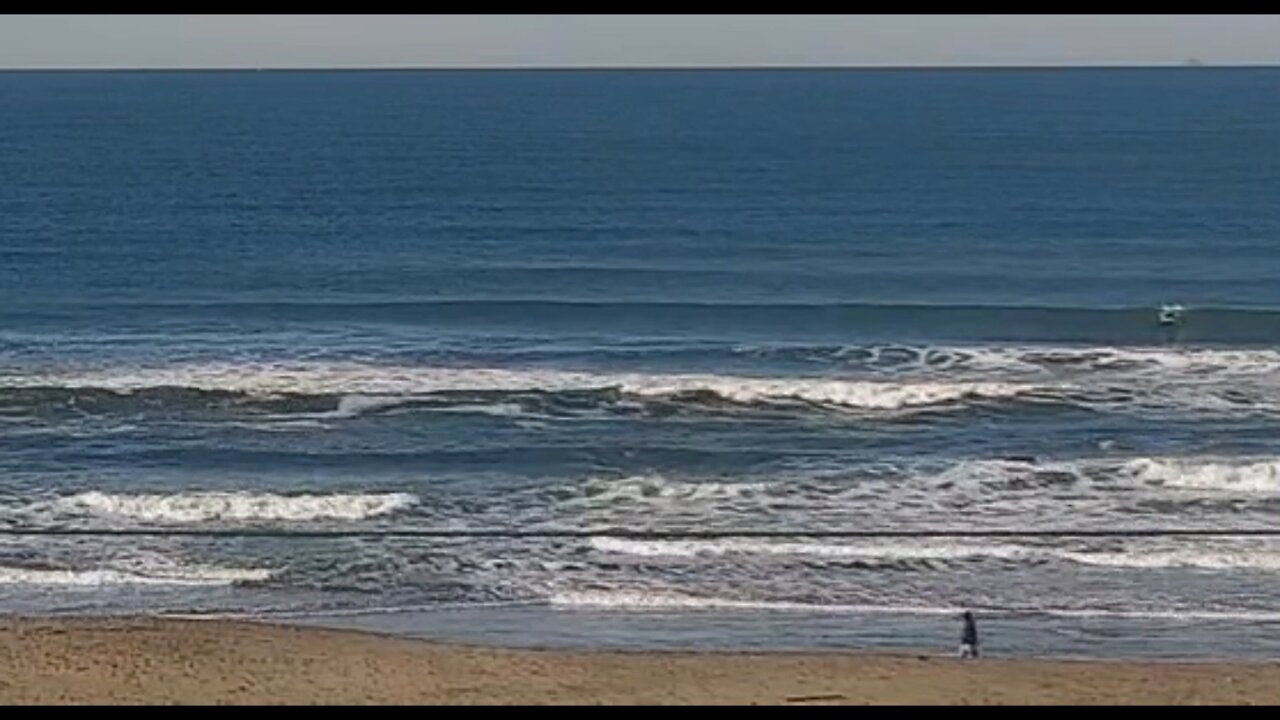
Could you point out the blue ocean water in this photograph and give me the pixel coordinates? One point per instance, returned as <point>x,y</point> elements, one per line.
<point>765,300</point>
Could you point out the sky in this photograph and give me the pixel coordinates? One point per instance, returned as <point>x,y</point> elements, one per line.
<point>299,41</point>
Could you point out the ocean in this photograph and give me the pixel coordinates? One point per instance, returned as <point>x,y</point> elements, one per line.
<point>671,301</point>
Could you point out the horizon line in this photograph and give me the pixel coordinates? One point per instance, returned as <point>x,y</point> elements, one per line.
<point>1184,64</point>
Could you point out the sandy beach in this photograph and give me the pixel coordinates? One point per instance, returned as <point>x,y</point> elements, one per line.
<point>202,662</point>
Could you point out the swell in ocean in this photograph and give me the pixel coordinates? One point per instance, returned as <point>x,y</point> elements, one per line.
<point>955,322</point>
<point>867,378</point>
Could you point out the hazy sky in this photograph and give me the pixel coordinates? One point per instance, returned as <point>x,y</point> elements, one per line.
<point>59,41</point>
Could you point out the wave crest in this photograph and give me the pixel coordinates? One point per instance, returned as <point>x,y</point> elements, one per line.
<point>198,507</point>
<point>885,553</point>
<point>148,573</point>
<point>1214,474</point>
<point>364,388</point>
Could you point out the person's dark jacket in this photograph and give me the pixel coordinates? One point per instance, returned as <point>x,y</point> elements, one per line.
<point>970,636</point>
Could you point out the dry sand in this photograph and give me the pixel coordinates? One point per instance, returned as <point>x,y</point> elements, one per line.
<point>172,661</point>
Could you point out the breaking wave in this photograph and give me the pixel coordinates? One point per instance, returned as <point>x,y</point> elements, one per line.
<point>139,573</point>
<point>1213,474</point>
<point>644,601</point>
<point>888,553</point>
<point>198,507</point>
<point>366,388</point>
<point>896,554</point>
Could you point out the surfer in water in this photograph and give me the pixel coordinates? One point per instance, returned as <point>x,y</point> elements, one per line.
<point>1170,318</point>
<point>969,637</point>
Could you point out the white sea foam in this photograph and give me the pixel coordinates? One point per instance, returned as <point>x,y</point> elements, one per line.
<point>1137,557</point>
<point>369,378</point>
<point>866,395</point>
<point>1022,359</point>
<point>1201,559</point>
<point>356,405</point>
<point>1252,475</point>
<point>170,575</point>
<point>1214,474</point>
<point>644,600</point>
<point>875,552</point>
<point>648,601</point>
<point>1009,482</point>
<point>352,406</point>
<point>496,409</point>
<point>285,424</point>
<point>1190,361</point>
<point>1167,615</point>
<point>371,386</point>
<point>1207,380</point>
<point>968,472</point>
<point>602,491</point>
<point>325,613</point>
<point>196,507</point>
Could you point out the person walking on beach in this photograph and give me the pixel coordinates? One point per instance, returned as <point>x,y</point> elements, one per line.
<point>969,637</point>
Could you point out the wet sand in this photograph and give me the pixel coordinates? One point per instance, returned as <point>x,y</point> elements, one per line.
<point>177,661</point>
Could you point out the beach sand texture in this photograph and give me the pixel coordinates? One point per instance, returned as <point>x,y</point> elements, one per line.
<point>150,661</point>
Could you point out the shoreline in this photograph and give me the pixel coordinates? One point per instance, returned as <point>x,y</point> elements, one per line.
<point>188,661</point>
